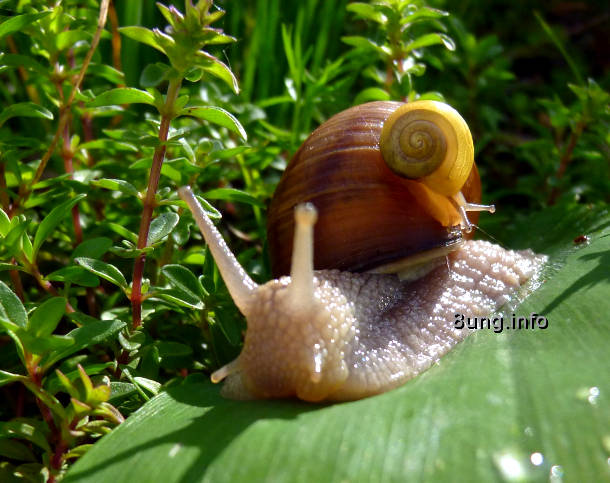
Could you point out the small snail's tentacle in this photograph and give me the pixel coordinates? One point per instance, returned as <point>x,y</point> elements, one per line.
<point>301,273</point>
<point>239,284</point>
<point>463,207</point>
<point>226,370</point>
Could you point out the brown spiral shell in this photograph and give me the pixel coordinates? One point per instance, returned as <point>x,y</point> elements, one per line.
<point>368,215</point>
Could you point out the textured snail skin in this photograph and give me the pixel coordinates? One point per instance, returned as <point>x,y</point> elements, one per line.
<point>332,335</point>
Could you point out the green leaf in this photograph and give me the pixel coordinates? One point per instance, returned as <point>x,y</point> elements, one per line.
<point>18,22</point>
<point>23,428</point>
<point>116,185</point>
<point>367,11</point>
<point>371,94</point>
<point>24,109</point>
<point>92,248</point>
<point>104,270</point>
<point>45,318</point>
<point>16,60</point>
<point>232,194</point>
<point>12,311</point>
<point>154,74</point>
<point>218,69</point>
<point>73,274</point>
<point>423,13</point>
<point>91,334</point>
<point>142,34</point>
<point>42,346</point>
<point>162,226</point>
<point>498,407</point>
<point>5,223</point>
<point>185,287</point>
<point>122,95</point>
<point>218,116</point>
<point>50,222</point>
<point>68,38</point>
<point>109,144</point>
<point>431,39</point>
<point>9,448</point>
<point>8,377</point>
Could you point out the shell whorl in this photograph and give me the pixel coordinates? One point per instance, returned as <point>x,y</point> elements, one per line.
<point>429,141</point>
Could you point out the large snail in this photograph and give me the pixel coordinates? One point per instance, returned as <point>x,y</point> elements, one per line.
<point>333,334</point>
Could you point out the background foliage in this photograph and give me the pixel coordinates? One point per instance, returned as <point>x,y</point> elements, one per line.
<point>106,296</point>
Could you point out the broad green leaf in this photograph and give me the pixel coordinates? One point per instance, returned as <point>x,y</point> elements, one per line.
<point>18,22</point>
<point>232,194</point>
<point>91,334</point>
<point>116,185</point>
<point>218,116</point>
<point>122,95</point>
<point>50,222</point>
<point>431,39</point>
<point>24,109</point>
<point>47,315</point>
<point>142,34</point>
<point>12,311</point>
<point>104,270</point>
<point>162,226</point>
<point>515,406</point>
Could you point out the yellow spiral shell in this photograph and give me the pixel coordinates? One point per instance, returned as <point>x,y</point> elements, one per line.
<point>429,141</point>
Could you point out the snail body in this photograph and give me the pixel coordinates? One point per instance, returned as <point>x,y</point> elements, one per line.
<point>335,336</point>
<point>388,187</point>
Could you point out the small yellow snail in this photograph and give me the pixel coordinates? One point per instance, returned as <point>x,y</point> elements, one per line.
<point>340,335</point>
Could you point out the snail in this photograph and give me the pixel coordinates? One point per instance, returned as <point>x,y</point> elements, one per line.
<point>367,319</point>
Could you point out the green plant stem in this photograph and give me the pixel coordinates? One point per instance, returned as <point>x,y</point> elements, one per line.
<point>149,201</point>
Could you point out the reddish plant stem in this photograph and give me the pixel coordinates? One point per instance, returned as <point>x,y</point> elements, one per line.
<point>149,200</point>
<point>16,279</point>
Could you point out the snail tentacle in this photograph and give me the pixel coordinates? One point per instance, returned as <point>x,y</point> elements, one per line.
<point>238,282</point>
<point>301,273</point>
<point>464,207</point>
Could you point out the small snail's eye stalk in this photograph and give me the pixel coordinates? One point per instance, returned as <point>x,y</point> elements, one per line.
<point>463,207</point>
<point>301,272</point>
